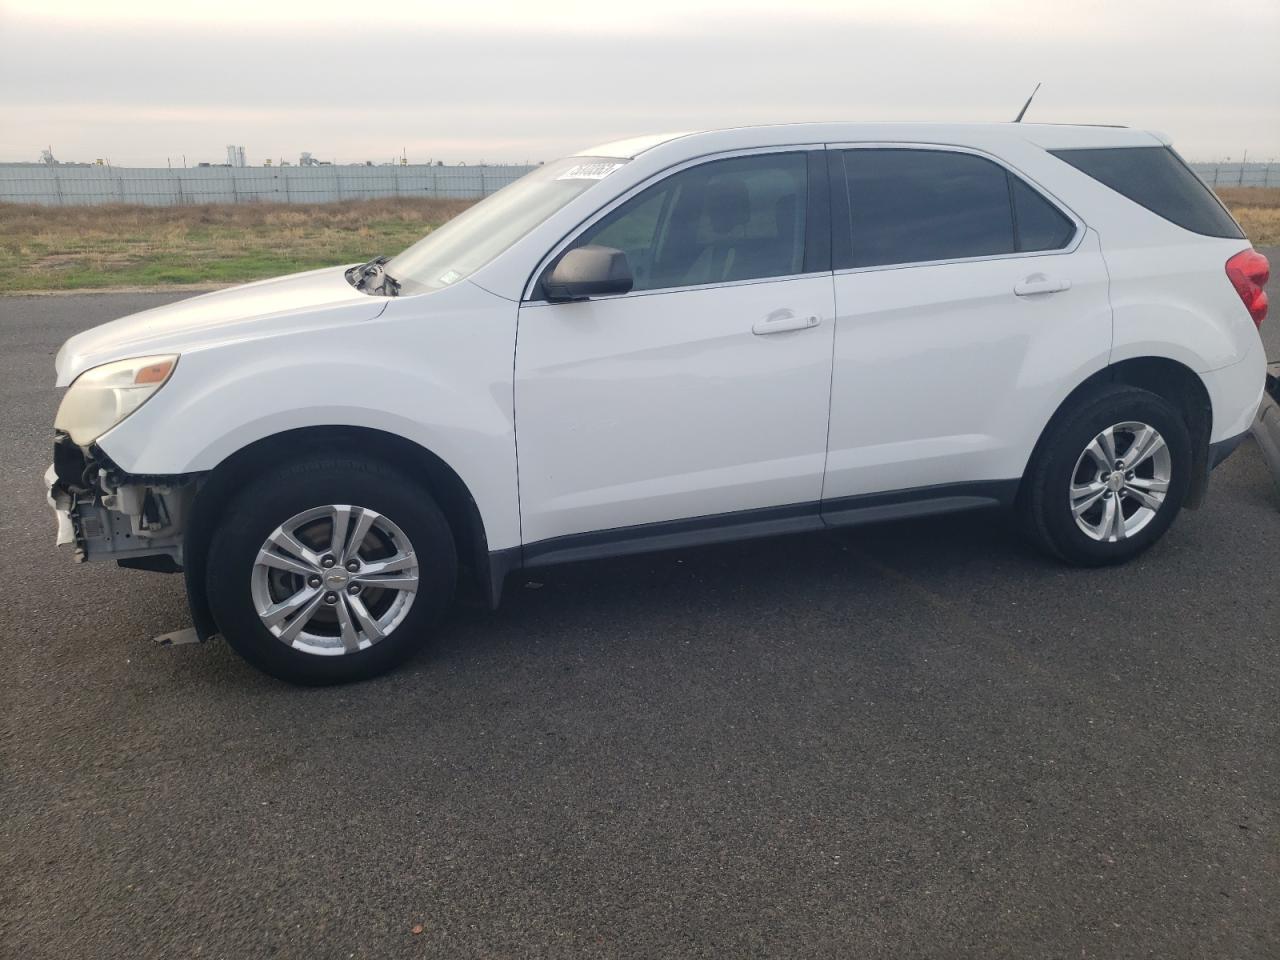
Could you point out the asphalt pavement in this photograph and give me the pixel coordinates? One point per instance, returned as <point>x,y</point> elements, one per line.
<point>915,740</point>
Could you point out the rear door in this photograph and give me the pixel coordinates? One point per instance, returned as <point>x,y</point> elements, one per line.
<point>968,304</point>
<point>701,395</point>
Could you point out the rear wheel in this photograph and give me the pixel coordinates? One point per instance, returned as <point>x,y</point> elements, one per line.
<point>328,571</point>
<point>1108,478</point>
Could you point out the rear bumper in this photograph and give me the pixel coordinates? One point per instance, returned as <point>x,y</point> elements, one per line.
<point>1218,452</point>
<point>1234,394</point>
<point>1266,426</point>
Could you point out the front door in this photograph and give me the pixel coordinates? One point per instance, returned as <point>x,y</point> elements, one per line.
<point>704,391</point>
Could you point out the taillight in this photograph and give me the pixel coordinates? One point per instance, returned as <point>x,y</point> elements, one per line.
<point>1249,272</point>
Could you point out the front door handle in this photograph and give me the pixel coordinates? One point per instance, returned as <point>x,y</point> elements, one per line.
<point>1039,283</point>
<point>781,321</point>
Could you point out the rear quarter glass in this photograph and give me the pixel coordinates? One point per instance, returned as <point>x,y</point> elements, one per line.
<point>1040,225</point>
<point>1159,180</point>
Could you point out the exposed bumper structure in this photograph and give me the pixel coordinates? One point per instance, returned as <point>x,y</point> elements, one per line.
<point>108,515</point>
<point>1266,427</point>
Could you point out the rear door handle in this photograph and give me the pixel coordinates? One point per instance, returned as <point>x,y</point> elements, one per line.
<point>781,321</point>
<point>1039,283</point>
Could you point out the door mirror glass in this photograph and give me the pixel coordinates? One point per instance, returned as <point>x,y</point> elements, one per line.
<point>590,271</point>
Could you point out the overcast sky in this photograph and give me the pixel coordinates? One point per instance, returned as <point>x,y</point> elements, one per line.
<point>142,81</point>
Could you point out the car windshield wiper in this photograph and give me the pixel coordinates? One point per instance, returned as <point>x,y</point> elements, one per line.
<point>372,278</point>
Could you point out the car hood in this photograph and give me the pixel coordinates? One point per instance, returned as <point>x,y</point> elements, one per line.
<point>301,301</point>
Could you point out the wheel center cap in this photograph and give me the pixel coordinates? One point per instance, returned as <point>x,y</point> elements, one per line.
<point>1115,482</point>
<point>336,578</point>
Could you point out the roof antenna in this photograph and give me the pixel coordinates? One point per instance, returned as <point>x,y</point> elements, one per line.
<point>1023,111</point>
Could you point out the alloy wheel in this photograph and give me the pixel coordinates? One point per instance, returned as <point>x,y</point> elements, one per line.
<point>334,580</point>
<point>1120,481</point>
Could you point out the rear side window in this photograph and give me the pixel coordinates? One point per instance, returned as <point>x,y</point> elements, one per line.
<point>1158,179</point>
<point>915,206</point>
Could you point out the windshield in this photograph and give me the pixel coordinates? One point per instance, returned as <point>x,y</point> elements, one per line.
<point>473,238</point>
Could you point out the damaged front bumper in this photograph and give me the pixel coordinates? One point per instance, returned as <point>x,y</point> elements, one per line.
<point>1266,428</point>
<point>106,514</point>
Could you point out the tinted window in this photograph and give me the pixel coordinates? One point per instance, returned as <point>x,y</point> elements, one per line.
<point>1157,178</point>
<point>1038,223</point>
<point>909,206</point>
<point>913,206</point>
<point>736,219</point>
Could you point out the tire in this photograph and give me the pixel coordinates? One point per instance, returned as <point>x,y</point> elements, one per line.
<point>1067,475</point>
<point>354,628</point>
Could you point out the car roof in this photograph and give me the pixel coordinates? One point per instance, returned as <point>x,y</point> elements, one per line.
<point>1047,135</point>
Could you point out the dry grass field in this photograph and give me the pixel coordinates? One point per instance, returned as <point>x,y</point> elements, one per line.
<point>79,248</point>
<point>1258,210</point>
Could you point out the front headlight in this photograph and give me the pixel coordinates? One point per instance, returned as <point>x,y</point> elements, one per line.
<point>103,396</point>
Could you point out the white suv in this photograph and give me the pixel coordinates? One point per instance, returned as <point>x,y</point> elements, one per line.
<point>669,341</point>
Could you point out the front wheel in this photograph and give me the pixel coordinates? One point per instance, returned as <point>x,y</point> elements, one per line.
<point>327,571</point>
<point>1109,477</point>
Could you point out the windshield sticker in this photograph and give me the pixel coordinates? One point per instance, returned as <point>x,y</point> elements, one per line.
<point>597,170</point>
<point>449,276</point>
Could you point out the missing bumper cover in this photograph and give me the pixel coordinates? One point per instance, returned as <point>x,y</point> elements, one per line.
<point>107,514</point>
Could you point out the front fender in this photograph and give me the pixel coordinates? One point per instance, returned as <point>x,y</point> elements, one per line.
<point>441,381</point>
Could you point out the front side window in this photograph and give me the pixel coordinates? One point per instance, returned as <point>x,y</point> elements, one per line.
<point>473,238</point>
<point>727,220</point>
<point>916,206</point>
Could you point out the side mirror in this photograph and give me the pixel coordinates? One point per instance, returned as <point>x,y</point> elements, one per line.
<point>588,271</point>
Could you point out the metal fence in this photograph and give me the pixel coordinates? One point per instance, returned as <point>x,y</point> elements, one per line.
<point>1228,174</point>
<point>66,185</point>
